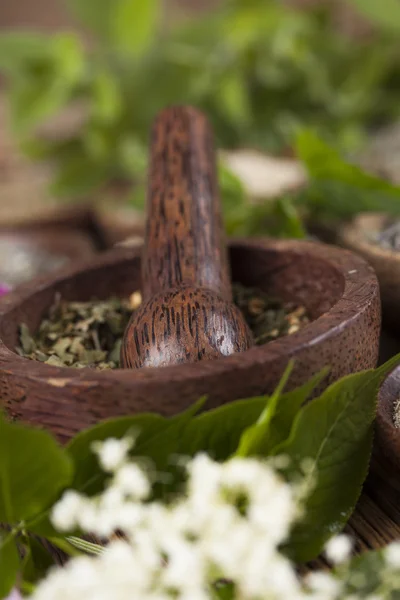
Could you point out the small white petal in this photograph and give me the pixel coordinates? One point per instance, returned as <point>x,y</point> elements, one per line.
<point>112,452</point>
<point>392,555</point>
<point>65,512</point>
<point>338,549</point>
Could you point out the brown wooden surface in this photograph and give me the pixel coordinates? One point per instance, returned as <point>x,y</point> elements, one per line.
<point>338,289</point>
<point>188,314</point>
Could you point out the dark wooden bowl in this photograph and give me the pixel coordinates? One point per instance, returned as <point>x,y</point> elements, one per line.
<point>117,223</point>
<point>81,219</point>
<point>383,483</point>
<point>386,263</point>
<point>387,435</point>
<point>338,288</point>
<point>61,246</point>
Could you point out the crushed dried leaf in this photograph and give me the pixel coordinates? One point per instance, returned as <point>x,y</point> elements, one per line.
<point>89,334</point>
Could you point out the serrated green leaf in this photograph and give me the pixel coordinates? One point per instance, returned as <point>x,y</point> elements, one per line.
<point>157,438</point>
<point>329,450</point>
<point>9,564</point>
<point>135,26</point>
<point>34,469</point>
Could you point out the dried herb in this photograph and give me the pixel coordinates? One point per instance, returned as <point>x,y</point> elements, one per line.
<point>89,334</point>
<point>268,318</point>
<point>79,334</point>
<point>396,414</point>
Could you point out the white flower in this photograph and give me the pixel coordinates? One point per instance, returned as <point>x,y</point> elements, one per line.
<point>131,480</point>
<point>338,549</point>
<point>204,479</point>
<point>323,583</point>
<point>228,524</point>
<point>65,512</point>
<point>392,555</point>
<point>112,453</point>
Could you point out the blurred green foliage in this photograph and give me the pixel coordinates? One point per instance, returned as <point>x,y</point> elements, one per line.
<point>260,70</point>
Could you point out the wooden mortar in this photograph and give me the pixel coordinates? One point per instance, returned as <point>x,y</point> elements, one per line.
<point>339,290</point>
<point>54,247</point>
<point>385,262</point>
<point>383,483</point>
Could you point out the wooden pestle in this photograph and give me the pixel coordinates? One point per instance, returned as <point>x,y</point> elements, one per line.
<point>187,312</point>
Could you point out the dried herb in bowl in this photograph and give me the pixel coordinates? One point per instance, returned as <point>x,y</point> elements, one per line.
<point>89,334</point>
<point>268,318</point>
<point>79,334</point>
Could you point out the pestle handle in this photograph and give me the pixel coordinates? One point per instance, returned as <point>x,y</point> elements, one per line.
<point>185,241</point>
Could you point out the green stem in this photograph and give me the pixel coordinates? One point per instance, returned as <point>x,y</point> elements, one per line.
<point>65,546</point>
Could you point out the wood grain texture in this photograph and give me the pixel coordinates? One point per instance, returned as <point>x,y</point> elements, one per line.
<point>338,288</point>
<point>185,241</point>
<point>187,314</point>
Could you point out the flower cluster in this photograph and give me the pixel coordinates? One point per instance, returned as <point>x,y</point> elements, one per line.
<point>220,539</point>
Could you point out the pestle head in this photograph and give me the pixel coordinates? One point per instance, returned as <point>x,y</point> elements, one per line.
<point>184,325</point>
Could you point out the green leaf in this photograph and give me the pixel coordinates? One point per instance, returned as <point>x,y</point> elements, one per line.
<point>48,84</point>
<point>329,450</point>
<point>107,99</point>
<point>77,175</point>
<point>135,25</point>
<point>365,574</point>
<point>37,561</point>
<point>68,53</point>
<point>233,98</point>
<point>274,424</point>
<point>218,431</point>
<point>285,220</point>
<point>251,441</point>
<point>324,162</point>
<point>157,439</point>
<point>34,469</point>
<point>385,13</point>
<point>235,205</point>
<point>9,564</point>
<point>340,187</point>
<point>20,49</point>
